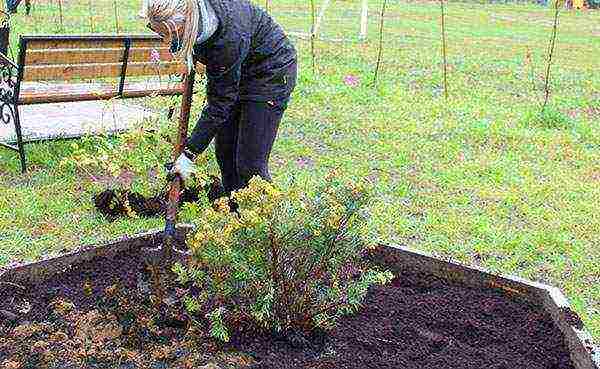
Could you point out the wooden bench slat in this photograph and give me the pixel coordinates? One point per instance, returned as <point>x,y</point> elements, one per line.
<point>108,70</point>
<point>87,56</point>
<point>75,43</point>
<point>86,92</point>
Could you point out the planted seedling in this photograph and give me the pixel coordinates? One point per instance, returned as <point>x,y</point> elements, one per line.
<point>285,262</point>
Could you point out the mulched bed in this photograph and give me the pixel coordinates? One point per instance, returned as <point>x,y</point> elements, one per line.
<point>100,315</point>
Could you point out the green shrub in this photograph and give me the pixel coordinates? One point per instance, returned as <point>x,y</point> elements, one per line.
<point>283,261</point>
<point>549,118</point>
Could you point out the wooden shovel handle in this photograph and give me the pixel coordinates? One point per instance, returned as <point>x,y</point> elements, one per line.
<point>176,184</point>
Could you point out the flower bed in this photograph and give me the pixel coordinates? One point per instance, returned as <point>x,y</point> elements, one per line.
<point>98,313</point>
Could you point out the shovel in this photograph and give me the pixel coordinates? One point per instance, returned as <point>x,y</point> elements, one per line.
<point>160,258</point>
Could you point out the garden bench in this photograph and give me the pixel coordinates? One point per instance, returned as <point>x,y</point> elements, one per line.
<point>118,66</point>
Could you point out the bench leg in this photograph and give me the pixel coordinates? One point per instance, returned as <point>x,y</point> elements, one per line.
<point>20,143</point>
<point>9,105</point>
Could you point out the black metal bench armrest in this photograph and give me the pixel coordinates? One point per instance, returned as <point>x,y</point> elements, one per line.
<point>8,80</point>
<point>9,114</point>
<point>5,60</point>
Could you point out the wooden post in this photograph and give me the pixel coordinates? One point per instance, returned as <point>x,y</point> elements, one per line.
<point>444,50</point>
<point>380,54</point>
<point>312,36</point>
<point>60,13</point>
<point>91,12</point>
<point>364,20</point>
<point>268,5</point>
<point>118,28</point>
<point>551,45</point>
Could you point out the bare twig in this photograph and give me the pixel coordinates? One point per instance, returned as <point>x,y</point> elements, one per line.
<point>380,54</point>
<point>557,4</point>
<point>274,258</point>
<point>312,36</point>
<point>13,285</point>
<point>444,52</point>
<point>324,309</point>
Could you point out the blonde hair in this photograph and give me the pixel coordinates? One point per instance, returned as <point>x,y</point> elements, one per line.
<point>166,12</point>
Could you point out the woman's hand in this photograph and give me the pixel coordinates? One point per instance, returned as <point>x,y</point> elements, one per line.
<point>184,167</point>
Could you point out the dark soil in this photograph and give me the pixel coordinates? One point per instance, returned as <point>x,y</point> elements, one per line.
<point>422,322</point>
<point>100,315</point>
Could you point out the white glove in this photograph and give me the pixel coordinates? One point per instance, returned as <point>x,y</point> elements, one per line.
<point>184,166</point>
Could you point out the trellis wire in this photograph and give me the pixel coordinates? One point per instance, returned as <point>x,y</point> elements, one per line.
<point>324,27</point>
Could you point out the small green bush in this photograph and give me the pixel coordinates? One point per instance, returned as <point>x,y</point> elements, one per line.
<point>549,118</point>
<point>282,261</point>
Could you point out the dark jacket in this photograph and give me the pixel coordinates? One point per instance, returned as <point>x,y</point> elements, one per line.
<point>248,58</point>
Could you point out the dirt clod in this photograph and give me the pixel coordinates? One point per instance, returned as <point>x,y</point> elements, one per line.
<point>119,203</point>
<point>571,317</point>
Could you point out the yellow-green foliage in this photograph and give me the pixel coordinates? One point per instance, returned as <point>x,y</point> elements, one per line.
<point>288,260</point>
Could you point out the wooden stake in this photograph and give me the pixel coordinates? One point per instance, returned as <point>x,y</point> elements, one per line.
<point>60,12</point>
<point>444,50</point>
<point>91,12</point>
<point>557,4</point>
<point>312,36</point>
<point>364,20</point>
<point>268,5</point>
<point>380,54</point>
<point>116,16</point>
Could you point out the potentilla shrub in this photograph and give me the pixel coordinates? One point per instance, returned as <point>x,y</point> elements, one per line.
<point>282,260</point>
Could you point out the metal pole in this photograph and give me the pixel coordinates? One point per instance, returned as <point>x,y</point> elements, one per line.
<point>364,20</point>
<point>324,7</point>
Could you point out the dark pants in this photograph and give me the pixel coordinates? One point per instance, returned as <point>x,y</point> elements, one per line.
<point>244,144</point>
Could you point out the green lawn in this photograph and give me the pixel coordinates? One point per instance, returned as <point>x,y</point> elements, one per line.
<point>479,178</point>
